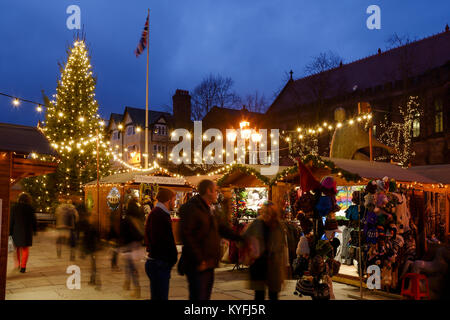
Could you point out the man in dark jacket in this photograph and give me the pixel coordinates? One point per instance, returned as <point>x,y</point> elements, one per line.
<point>161,248</point>
<point>200,231</point>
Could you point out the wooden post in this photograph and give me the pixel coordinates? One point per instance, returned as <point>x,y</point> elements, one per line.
<point>98,185</point>
<point>5,189</point>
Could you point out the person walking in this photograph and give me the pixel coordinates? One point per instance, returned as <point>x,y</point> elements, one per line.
<point>201,231</point>
<point>161,247</point>
<point>113,237</point>
<point>22,226</point>
<point>66,221</point>
<point>266,237</point>
<point>131,235</point>
<point>90,242</point>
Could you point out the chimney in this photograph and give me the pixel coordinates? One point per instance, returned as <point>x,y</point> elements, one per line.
<point>182,109</point>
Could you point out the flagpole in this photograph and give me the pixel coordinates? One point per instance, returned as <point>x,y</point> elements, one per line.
<point>146,97</point>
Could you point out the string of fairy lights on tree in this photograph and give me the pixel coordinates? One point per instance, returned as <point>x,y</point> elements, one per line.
<point>398,135</point>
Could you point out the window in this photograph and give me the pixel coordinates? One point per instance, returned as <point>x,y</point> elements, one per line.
<point>116,135</point>
<point>160,129</point>
<point>130,130</point>
<point>155,149</point>
<point>416,127</point>
<point>439,116</point>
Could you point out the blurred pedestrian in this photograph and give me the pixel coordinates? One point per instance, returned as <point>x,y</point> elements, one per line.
<point>90,242</point>
<point>80,225</point>
<point>131,236</point>
<point>113,238</point>
<point>66,220</point>
<point>267,242</point>
<point>200,231</point>
<point>22,226</point>
<point>161,247</point>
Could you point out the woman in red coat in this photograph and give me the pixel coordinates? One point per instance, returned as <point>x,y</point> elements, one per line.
<point>22,226</point>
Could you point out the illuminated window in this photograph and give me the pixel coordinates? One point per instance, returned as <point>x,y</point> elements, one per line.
<point>160,130</point>
<point>416,127</point>
<point>439,116</point>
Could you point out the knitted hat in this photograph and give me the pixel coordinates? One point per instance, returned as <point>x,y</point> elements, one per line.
<point>371,187</point>
<point>164,195</point>
<point>332,225</point>
<point>380,185</point>
<point>329,183</point>
<point>380,230</point>
<point>392,185</point>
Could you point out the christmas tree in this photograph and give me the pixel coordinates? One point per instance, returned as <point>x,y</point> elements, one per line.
<point>72,126</point>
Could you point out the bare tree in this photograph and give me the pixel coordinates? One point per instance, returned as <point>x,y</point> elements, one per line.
<point>320,81</point>
<point>214,90</point>
<point>255,102</point>
<point>322,62</point>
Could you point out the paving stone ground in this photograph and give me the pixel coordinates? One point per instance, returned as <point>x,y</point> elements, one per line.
<point>46,277</point>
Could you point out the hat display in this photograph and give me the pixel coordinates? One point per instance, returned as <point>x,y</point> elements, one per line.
<point>380,185</point>
<point>332,225</point>
<point>329,183</point>
<point>380,230</point>
<point>371,187</point>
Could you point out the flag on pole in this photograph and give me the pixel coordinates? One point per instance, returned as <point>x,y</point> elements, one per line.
<point>143,42</point>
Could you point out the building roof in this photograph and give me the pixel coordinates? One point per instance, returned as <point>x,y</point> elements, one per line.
<point>221,118</point>
<point>378,69</point>
<point>116,117</point>
<point>138,115</point>
<point>24,139</point>
<point>439,173</point>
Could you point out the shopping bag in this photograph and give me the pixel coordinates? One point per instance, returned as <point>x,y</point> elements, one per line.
<point>10,244</point>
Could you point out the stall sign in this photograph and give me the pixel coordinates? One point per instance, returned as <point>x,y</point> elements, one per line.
<point>113,198</point>
<point>159,180</point>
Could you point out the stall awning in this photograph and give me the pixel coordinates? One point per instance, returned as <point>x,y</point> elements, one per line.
<point>139,177</point>
<point>195,180</point>
<point>439,173</point>
<point>378,170</point>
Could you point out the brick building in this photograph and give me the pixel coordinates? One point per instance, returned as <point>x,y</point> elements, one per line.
<point>385,80</point>
<point>126,131</point>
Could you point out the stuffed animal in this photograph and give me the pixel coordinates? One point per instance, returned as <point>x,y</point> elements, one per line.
<point>386,276</point>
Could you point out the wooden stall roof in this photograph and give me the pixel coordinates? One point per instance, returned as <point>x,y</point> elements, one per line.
<point>378,170</point>
<point>118,178</point>
<point>242,179</point>
<point>24,140</point>
<point>129,177</point>
<point>24,168</point>
<point>439,173</point>
<point>372,170</point>
<point>195,180</point>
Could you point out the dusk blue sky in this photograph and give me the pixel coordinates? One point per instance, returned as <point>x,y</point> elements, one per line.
<point>253,42</point>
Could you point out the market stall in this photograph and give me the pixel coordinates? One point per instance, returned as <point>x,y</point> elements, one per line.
<point>376,238</point>
<point>114,191</point>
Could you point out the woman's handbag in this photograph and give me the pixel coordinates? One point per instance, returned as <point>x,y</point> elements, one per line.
<point>10,244</point>
<point>299,266</point>
<point>305,286</point>
<point>334,267</point>
<point>322,292</point>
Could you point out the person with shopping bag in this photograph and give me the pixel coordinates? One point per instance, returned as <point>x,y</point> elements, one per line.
<point>22,227</point>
